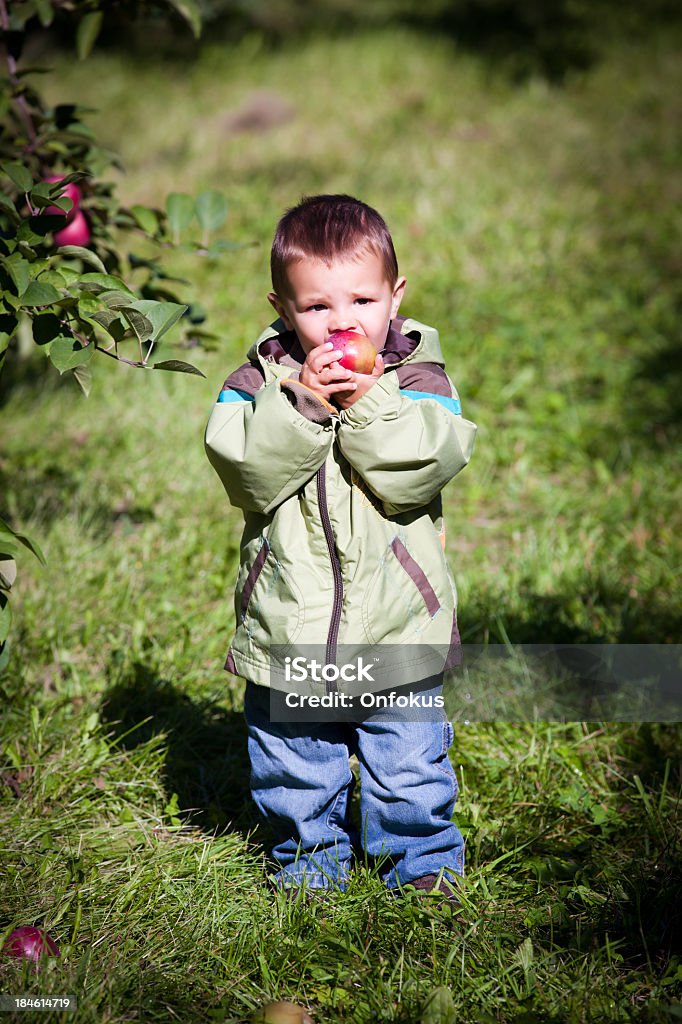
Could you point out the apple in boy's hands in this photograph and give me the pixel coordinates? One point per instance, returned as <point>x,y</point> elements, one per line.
<point>359,354</point>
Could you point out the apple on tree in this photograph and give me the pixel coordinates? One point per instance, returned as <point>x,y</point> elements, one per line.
<point>75,233</point>
<point>76,230</point>
<point>70,191</point>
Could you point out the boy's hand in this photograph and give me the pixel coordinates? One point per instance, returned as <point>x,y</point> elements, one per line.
<point>363,382</point>
<point>322,373</point>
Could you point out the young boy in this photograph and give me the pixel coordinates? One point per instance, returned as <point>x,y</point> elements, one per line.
<point>339,475</point>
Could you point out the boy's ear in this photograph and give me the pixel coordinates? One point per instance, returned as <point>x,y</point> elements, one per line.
<point>398,293</point>
<point>278,305</point>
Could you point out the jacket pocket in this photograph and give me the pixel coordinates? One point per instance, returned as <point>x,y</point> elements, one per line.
<point>400,602</point>
<point>417,575</point>
<point>252,579</point>
<point>270,607</point>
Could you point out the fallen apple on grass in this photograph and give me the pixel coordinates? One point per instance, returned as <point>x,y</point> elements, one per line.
<point>281,1013</point>
<point>359,354</point>
<point>30,943</point>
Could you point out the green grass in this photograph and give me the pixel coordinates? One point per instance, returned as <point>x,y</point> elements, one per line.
<point>538,230</point>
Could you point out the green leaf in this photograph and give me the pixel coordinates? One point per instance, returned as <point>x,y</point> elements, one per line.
<point>83,375</point>
<point>7,205</point>
<point>53,277</point>
<point>196,314</point>
<point>32,69</point>
<point>8,325</point>
<point>116,299</point>
<point>38,294</point>
<point>44,189</point>
<point>211,210</point>
<point>19,270</point>
<point>27,251</point>
<point>100,282</point>
<point>177,366</point>
<point>142,261</point>
<point>18,174</point>
<point>146,219</point>
<point>5,617</point>
<point>47,193</point>
<point>45,13</point>
<point>70,275</point>
<point>117,330</point>
<point>88,30</point>
<point>141,325</point>
<point>208,340</point>
<point>439,1007</point>
<point>88,304</point>
<point>32,229</point>
<point>42,202</point>
<point>7,531</point>
<point>4,657</point>
<point>180,211</point>
<point>8,572</point>
<point>106,318</point>
<point>65,114</point>
<point>67,352</point>
<point>83,254</point>
<point>162,315</point>
<point>77,176</point>
<point>191,12</point>
<point>46,327</point>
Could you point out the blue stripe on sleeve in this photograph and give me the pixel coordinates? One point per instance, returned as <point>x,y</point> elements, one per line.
<point>451,404</point>
<point>234,395</point>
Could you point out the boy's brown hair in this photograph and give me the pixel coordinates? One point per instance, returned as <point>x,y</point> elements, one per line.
<point>329,228</point>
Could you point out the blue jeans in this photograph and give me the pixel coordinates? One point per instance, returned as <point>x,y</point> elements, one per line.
<point>301,783</point>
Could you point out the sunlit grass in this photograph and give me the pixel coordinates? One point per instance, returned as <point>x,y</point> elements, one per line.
<point>537,227</point>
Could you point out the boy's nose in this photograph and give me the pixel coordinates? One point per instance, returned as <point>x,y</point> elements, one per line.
<point>343,322</point>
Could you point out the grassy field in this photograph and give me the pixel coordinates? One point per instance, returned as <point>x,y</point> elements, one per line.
<point>539,230</point>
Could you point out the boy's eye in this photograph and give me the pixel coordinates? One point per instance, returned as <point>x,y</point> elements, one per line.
<point>316,308</point>
<point>363,302</point>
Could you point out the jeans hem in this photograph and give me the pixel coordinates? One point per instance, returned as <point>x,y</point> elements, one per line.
<point>286,879</point>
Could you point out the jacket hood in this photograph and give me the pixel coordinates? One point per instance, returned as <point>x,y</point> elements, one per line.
<point>407,341</point>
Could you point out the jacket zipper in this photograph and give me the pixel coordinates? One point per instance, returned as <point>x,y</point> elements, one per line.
<point>333,634</point>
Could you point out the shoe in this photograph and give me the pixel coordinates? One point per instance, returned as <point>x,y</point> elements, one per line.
<point>436,885</point>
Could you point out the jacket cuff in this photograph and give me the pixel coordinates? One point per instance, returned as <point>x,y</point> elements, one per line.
<point>381,399</point>
<point>307,402</point>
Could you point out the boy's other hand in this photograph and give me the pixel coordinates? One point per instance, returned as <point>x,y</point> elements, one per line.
<point>363,382</point>
<point>322,373</point>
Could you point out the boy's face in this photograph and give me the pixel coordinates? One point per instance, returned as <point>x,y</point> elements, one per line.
<point>346,295</point>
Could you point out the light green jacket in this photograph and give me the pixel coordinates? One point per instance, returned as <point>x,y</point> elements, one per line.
<point>343,543</point>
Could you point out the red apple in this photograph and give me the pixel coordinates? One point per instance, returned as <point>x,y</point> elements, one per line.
<point>71,191</point>
<point>359,354</point>
<point>75,233</point>
<point>30,943</point>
